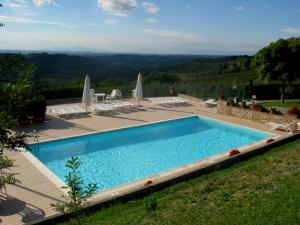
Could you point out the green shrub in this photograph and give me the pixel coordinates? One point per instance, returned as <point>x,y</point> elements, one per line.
<point>37,108</point>
<point>61,92</point>
<point>77,195</point>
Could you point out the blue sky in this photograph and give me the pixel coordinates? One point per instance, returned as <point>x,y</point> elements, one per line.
<point>154,26</point>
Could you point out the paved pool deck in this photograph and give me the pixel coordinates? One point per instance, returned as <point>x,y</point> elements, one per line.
<point>29,200</point>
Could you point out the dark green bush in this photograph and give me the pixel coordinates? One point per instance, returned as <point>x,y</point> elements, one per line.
<point>37,107</point>
<point>61,92</point>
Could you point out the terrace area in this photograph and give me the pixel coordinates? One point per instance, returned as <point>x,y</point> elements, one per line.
<point>29,200</point>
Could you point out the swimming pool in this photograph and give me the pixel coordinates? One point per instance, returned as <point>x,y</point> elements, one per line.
<point>117,157</point>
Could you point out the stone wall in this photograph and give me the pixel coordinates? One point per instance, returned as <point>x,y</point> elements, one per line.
<point>248,114</point>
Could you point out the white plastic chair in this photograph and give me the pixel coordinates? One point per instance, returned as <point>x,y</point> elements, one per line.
<point>288,127</point>
<point>115,94</point>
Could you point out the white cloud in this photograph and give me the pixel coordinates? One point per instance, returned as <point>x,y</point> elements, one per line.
<point>151,20</point>
<point>110,22</point>
<point>44,39</point>
<point>17,4</point>
<point>26,20</point>
<point>40,3</point>
<point>118,7</point>
<point>290,30</point>
<point>188,6</point>
<point>150,7</point>
<point>91,24</point>
<point>20,7</point>
<point>174,34</point>
<point>239,8</point>
<point>21,1</point>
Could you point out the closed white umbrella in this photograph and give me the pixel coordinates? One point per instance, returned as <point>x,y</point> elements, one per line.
<point>86,96</point>
<point>139,89</point>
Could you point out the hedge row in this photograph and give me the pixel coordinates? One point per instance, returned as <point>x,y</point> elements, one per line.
<point>262,91</point>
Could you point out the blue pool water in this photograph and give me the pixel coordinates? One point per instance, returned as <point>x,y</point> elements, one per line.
<point>120,156</point>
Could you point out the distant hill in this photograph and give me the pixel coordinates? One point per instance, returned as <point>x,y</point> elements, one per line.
<point>211,65</point>
<point>60,67</point>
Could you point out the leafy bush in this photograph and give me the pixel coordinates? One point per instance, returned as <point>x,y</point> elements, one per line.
<point>6,177</point>
<point>61,92</point>
<point>37,108</point>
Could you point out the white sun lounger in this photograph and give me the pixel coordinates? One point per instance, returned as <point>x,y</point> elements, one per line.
<point>56,110</point>
<point>210,102</point>
<point>179,100</point>
<point>65,111</point>
<point>288,127</point>
<point>163,101</point>
<point>155,101</point>
<point>167,101</point>
<point>123,105</point>
<point>102,108</point>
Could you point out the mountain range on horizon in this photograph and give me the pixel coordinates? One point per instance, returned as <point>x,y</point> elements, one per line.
<point>79,50</point>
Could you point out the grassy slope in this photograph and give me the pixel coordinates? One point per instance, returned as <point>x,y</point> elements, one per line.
<point>287,104</point>
<point>262,190</point>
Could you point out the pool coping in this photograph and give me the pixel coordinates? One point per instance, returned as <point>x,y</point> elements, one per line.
<point>153,180</point>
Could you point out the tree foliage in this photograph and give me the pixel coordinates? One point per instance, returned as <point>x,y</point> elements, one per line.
<point>12,100</point>
<point>13,97</point>
<point>11,65</point>
<point>77,195</point>
<point>161,77</point>
<point>65,67</point>
<point>279,62</point>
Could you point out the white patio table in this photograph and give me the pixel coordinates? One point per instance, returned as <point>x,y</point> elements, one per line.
<point>100,95</point>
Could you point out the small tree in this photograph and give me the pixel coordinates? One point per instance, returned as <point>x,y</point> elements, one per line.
<point>279,62</point>
<point>11,99</point>
<point>77,195</point>
<point>9,140</point>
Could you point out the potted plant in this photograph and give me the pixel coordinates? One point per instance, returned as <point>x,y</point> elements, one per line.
<point>222,96</point>
<point>294,111</point>
<point>256,108</point>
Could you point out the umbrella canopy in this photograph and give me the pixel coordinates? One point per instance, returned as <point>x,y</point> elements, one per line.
<point>86,96</point>
<point>139,89</point>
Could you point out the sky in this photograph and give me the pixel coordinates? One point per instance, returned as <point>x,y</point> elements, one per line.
<point>148,27</point>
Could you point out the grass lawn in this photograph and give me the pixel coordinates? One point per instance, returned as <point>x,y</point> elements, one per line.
<point>262,190</point>
<point>287,104</point>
